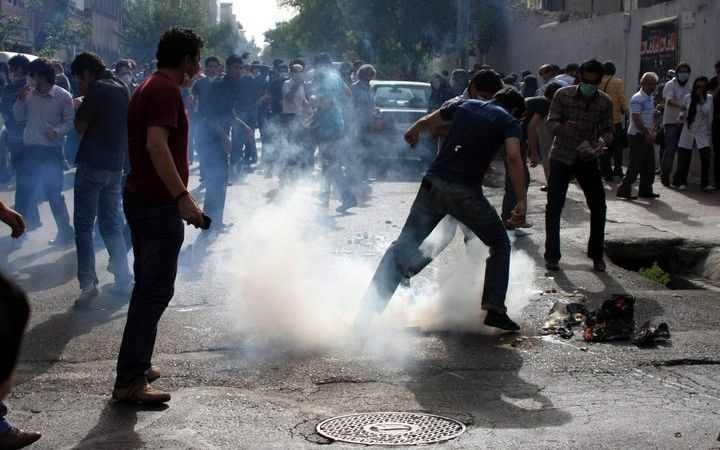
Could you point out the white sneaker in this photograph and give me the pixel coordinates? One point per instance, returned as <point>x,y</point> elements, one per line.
<point>682,187</point>
<point>709,187</point>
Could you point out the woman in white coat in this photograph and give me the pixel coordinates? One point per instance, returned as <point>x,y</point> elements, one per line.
<point>698,116</point>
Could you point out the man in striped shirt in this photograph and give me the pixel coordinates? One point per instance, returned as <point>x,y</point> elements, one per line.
<point>642,135</point>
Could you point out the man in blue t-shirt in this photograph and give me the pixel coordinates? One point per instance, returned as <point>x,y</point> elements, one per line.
<point>453,185</point>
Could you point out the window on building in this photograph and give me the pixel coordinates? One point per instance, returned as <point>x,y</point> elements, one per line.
<point>646,3</point>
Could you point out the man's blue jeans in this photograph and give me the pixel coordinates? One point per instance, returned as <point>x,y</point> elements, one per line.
<point>157,235</point>
<point>98,194</point>
<point>4,424</point>
<point>435,199</point>
<point>43,165</point>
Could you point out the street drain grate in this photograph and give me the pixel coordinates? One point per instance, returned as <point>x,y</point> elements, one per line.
<point>390,428</point>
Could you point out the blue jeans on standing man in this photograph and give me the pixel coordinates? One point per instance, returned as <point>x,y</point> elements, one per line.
<point>43,165</point>
<point>157,234</point>
<point>98,194</point>
<point>435,199</point>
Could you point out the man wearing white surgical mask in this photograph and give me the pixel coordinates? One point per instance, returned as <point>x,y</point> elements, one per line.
<point>124,72</point>
<point>674,93</point>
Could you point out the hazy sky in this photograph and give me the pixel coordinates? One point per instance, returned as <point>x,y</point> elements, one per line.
<point>258,16</point>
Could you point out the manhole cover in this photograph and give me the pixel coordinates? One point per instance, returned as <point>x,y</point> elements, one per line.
<point>390,428</point>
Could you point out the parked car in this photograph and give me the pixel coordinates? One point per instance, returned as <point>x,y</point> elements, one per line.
<point>398,104</point>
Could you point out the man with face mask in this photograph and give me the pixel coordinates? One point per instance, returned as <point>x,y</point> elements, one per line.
<point>49,112</point>
<point>124,72</point>
<point>156,201</point>
<point>674,93</point>
<point>453,185</point>
<point>582,123</point>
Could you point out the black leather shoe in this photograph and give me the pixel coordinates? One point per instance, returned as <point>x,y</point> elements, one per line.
<point>625,195</point>
<point>17,438</point>
<point>649,195</point>
<point>500,320</point>
<point>552,265</point>
<point>599,265</point>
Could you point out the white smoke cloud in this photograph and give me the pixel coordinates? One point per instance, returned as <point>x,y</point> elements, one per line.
<point>299,291</point>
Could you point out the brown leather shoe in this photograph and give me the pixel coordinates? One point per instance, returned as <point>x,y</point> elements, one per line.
<point>140,393</point>
<point>153,374</point>
<point>17,438</point>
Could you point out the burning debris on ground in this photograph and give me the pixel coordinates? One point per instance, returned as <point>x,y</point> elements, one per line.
<point>613,321</point>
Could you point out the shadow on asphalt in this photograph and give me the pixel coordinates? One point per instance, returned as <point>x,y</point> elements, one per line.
<point>44,276</point>
<point>116,427</point>
<point>46,341</point>
<point>478,382</point>
<point>666,212</point>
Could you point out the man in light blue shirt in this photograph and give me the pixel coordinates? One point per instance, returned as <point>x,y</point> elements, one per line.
<point>49,112</point>
<point>642,136</point>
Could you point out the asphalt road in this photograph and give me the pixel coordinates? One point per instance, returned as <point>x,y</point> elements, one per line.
<point>256,348</point>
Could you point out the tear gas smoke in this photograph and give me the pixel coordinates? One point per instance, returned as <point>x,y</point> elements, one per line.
<point>298,292</point>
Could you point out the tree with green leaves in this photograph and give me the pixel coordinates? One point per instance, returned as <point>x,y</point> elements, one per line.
<point>65,36</point>
<point>9,27</point>
<point>398,36</point>
<point>144,22</point>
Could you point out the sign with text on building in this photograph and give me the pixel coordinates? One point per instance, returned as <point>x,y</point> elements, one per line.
<point>659,46</point>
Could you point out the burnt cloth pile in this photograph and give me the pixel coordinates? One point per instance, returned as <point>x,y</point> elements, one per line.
<point>614,320</point>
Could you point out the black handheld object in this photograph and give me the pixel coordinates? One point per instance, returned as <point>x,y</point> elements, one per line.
<point>206,222</point>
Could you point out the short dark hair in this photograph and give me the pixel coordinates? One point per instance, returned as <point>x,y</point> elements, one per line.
<point>87,61</point>
<point>175,45</point>
<point>487,80</point>
<point>358,63</point>
<point>572,67</point>
<point>212,59</point>
<point>609,68</point>
<point>297,61</point>
<point>509,98</point>
<point>322,59</point>
<point>123,63</point>
<point>682,65</point>
<point>551,89</point>
<point>42,67</point>
<point>233,60</point>
<point>19,61</point>
<point>592,66</point>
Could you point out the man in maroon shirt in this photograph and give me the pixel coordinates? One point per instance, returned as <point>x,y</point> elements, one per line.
<point>156,201</point>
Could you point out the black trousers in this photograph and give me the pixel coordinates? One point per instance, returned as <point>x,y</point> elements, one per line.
<point>588,176</point>
<point>642,162</point>
<point>157,235</point>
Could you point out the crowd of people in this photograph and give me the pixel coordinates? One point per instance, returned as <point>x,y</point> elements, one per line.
<point>135,135</point>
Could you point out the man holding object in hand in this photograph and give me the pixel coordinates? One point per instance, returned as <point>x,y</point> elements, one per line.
<point>156,201</point>
<point>453,185</point>
<point>582,122</point>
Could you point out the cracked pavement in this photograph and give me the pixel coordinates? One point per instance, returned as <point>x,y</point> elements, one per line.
<point>232,390</point>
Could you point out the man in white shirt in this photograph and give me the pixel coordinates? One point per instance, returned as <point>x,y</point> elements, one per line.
<point>674,93</point>
<point>642,136</point>
<point>49,112</point>
<point>571,74</point>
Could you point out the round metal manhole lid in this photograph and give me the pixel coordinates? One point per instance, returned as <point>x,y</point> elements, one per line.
<point>390,428</point>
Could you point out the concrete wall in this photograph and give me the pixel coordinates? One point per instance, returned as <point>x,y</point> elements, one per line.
<point>536,38</point>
